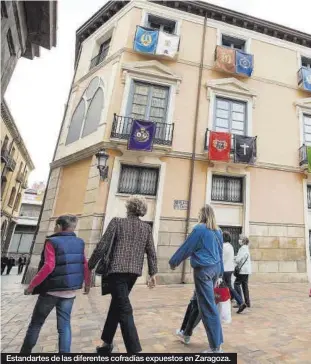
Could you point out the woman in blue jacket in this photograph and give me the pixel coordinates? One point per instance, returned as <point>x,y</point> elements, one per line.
<point>204,247</point>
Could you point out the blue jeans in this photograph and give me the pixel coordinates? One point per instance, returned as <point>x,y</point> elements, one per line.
<point>204,280</point>
<point>43,307</point>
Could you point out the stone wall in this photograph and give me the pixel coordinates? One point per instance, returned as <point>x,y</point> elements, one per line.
<point>278,252</point>
<point>171,236</point>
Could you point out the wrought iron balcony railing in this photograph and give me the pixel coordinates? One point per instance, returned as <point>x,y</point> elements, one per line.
<point>97,60</point>
<point>11,164</point>
<point>122,126</point>
<point>4,155</point>
<point>20,177</point>
<point>232,150</point>
<point>303,156</point>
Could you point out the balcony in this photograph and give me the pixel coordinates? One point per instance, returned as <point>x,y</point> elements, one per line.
<point>304,78</point>
<point>11,164</point>
<point>122,126</point>
<point>97,60</point>
<point>303,157</point>
<point>233,61</point>
<point>249,158</point>
<point>4,155</point>
<point>20,177</point>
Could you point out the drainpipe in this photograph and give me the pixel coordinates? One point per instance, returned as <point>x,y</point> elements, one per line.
<point>50,172</point>
<point>194,145</point>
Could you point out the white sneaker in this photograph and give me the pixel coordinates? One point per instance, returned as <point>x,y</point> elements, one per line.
<point>185,339</point>
<point>215,351</point>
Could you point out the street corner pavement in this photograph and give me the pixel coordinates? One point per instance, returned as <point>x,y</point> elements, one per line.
<point>275,329</point>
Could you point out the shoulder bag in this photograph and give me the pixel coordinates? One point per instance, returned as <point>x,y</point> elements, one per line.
<point>103,265</point>
<point>238,268</point>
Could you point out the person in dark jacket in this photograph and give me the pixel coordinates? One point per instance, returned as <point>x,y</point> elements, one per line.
<point>132,238</point>
<point>10,265</point>
<point>62,270</point>
<point>21,263</point>
<point>4,263</point>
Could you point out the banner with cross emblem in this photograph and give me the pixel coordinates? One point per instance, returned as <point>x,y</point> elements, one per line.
<point>219,146</point>
<point>142,134</point>
<point>225,59</point>
<point>145,40</point>
<point>244,63</point>
<point>244,149</point>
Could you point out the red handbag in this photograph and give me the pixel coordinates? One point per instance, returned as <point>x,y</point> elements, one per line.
<point>222,294</point>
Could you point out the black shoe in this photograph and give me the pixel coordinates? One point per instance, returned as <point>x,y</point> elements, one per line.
<point>105,349</point>
<point>248,305</point>
<point>241,308</point>
<point>236,306</point>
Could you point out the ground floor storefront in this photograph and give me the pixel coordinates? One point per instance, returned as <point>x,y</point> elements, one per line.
<point>275,330</point>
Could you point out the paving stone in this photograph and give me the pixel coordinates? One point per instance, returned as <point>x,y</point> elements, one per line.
<point>275,330</point>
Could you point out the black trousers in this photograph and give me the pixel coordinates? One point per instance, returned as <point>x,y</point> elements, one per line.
<point>2,268</point>
<point>234,294</point>
<point>9,267</point>
<point>20,268</point>
<point>121,312</point>
<point>192,317</point>
<point>242,280</point>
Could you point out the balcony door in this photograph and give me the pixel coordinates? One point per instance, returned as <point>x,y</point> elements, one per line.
<point>150,102</point>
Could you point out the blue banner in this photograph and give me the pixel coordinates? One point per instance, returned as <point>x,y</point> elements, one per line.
<point>142,134</point>
<point>146,40</point>
<point>305,78</point>
<point>244,63</point>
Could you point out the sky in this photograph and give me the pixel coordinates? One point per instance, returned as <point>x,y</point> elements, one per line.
<point>39,88</point>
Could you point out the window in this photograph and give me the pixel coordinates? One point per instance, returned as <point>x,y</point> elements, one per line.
<point>230,116</point>
<point>227,189</point>
<point>309,196</point>
<point>10,43</point>
<point>86,117</point>
<point>17,201</point>
<point>149,102</point>
<point>102,53</point>
<point>306,62</point>
<point>138,180</point>
<point>3,229</point>
<point>5,144</point>
<point>12,197</point>
<point>12,152</point>
<point>3,185</point>
<point>232,42</point>
<point>166,25</point>
<point>30,210</point>
<point>4,12</point>
<point>235,232</point>
<point>307,129</point>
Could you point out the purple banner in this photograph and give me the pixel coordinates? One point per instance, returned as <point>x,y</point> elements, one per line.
<point>141,137</point>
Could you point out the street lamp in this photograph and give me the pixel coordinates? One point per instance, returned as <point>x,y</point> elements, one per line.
<point>102,158</point>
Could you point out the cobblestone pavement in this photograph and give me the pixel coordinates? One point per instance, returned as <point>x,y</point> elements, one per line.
<point>276,329</point>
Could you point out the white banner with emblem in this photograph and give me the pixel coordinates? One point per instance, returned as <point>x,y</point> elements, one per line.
<point>167,44</point>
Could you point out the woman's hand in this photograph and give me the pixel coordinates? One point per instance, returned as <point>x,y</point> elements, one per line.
<point>152,282</point>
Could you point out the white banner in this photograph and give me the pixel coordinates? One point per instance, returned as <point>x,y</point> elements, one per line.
<point>167,44</point>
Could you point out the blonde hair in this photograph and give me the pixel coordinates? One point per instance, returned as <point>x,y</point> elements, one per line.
<point>207,217</point>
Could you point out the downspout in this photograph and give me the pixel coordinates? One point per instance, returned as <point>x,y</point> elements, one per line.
<point>50,172</point>
<point>194,145</point>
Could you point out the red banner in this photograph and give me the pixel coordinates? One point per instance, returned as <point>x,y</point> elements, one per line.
<point>219,146</point>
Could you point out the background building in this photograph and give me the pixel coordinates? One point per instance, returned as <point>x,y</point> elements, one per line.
<point>16,165</point>
<point>25,27</point>
<point>27,220</point>
<point>228,72</point>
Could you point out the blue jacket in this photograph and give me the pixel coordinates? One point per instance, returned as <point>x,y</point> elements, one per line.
<point>202,247</point>
<point>68,273</point>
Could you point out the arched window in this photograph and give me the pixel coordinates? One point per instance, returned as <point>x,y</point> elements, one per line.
<point>76,123</point>
<point>93,114</point>
<point>12,197</point>
<point>17,201</point>
<point>5,143</point>
<point>86,117</point>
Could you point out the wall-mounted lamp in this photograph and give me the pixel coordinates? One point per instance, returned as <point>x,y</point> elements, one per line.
<point>102,158</point>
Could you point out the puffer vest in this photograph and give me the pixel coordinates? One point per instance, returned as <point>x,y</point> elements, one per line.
<point>68,273</point>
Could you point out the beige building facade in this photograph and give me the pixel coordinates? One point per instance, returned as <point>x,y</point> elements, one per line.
<point>16,165</point>
<point>187,96</point>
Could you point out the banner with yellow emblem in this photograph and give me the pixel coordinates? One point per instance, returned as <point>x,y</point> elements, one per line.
<point>146,40</point>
